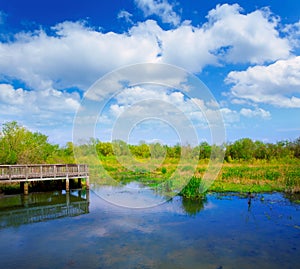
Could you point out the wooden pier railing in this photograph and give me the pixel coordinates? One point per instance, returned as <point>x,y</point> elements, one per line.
<point>34,172</point>
<point>40,172</point>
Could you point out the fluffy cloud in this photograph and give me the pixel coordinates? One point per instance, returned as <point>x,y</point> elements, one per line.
<point>43,105</point>
<point>160,8</point>
<point>277,84</point>
<point>230,116</point>
<point>72,54</point>
<point>77,55</point>
<point>187,47</point>
<point>147,102</point>
<point>123,14</point>
<point>257,112</point>
<point>293,33</point>
<point>237,37</point>
<point>144,100</point>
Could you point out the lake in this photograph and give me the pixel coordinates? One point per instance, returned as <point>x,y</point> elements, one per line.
<point>81,230</point>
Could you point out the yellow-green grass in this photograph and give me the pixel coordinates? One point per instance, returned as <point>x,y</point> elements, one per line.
<point>253,176</point>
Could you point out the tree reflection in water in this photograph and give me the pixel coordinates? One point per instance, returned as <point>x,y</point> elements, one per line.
<point>193,206</point>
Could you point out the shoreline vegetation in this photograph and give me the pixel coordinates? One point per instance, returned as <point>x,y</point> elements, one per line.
<point>248,166</point>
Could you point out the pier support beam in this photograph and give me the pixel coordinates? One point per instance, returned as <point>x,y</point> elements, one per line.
<point>67,184</point>
<point>79,183</point>
<point>25,188</point>
<point>87,182</point>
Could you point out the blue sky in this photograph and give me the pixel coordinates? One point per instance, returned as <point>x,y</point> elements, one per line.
<point>246,52</point>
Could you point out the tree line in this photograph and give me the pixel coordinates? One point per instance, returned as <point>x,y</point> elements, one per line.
<point>18,145</point>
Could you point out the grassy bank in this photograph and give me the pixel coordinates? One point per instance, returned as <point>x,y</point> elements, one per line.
<point>254,176</point>
<point>243,177</point>
<point>258,178</point>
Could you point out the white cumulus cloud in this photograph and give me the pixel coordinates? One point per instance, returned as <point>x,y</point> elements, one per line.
<point>277,84</point>
<point>77,55</point>
<point>257,112</point>
<point>72,54</point>
<point>123,14</point>
<point>161,8</point>
<point>252,37</point>
<point>51,106</point>
<point>293,33</point>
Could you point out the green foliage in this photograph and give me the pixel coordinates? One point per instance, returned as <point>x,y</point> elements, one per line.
<point>140,151</point>
<point>21,146</point>
<point>252,164</point>
<point>157,150</point>
<point>259,178</point>
<point>245,149</point>
<point>295,147</point>
<point>193,190</point>
<point>272,175</point>
<point>263,172</point>
<point>173,152</point>
<point>241,150</point>
<point>104,149</point>
<point>292,180</point>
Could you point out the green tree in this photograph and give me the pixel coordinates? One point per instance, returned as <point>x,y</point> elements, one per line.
<point>120,148</point>
<point>19,145</point>
<point>157,150</point>
<point>205,150</point>
<point>104,149</point>
<point>140,151</point>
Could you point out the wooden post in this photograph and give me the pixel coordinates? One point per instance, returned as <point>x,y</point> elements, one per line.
<point>79,183</point>
<point>54,170</point>
<point>25,188</point>
<point>87,183</point>
<point>26,172</point>
<point>9,170</point>
<point>67,184</point>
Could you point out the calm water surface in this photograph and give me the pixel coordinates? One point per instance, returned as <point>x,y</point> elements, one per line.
<point>56,230</point>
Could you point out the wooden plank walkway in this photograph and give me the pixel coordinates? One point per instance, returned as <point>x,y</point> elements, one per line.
<point>41,172</point>
<point>25,174</point>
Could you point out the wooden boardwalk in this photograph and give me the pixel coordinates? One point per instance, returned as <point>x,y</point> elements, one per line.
<point>41,172</point>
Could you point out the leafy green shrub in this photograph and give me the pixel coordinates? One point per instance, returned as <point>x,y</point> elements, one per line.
<point>193,190</point>
<point>164,170</point>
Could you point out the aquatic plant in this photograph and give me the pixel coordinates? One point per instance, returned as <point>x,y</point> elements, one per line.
<point>194,189</point>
